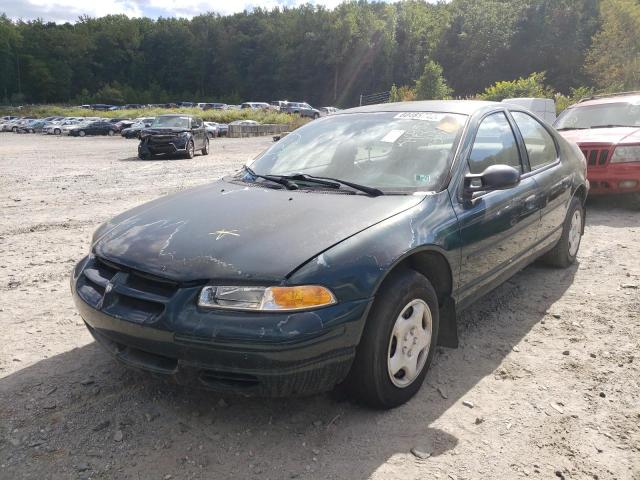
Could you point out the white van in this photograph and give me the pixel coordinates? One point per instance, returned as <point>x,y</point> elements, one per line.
<point>545,108</point>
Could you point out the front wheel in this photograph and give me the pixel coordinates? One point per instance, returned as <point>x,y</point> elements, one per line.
<point>57,131</point>
<point>398,343</point>
<point>565,251</point>
<point>191,149</point>
<point>111,133</point>
<point>205,148</point>
<point>81,133</point>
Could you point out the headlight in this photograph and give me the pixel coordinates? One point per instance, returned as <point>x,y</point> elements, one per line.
<point>268,299</point>
<point>626,154</point>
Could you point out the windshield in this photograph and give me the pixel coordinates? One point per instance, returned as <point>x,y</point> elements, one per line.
<point>171,122</point>
<point>389,150</point>
<point>622,114</point>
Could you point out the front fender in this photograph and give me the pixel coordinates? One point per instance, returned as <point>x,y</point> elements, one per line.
<point>355,268</point>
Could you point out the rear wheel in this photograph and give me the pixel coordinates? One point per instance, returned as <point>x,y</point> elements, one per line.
<point>205,148</point>
<point>566,250</point>
<point>81,133</point>
<point>316,116</point>
<point>111,133</point>
<point>398,343</point>
<point>57,131</point>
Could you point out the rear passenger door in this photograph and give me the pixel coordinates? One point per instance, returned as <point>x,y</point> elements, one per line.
<point>197,126</point>
<point>497,228</point>
<point>554,179</point>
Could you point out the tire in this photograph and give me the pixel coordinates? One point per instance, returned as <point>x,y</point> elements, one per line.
<point>565,251</point>
<point>144,156</point>
<point>14,129</point>
<point>191,149</point>
<point>57,131</point>
<point>111,133</point>
<point>82,133</point>
<point>635,201</point>
<point>371,380</point>
<point>205,149</point>
<point>316,116</point>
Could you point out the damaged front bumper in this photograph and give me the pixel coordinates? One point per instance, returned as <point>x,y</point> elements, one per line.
<point>152,145</point>
<point>159,328</point>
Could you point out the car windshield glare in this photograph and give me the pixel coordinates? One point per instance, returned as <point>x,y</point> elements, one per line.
<point>390,151</point>
<point>622,114</point>
<point>171,122</point>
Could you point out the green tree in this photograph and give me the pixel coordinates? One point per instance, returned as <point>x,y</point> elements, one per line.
<point>432,85</point>
<point>531,87</point>
<point>613,62</point>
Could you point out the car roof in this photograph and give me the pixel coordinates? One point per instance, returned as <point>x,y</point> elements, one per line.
<point>465,107</point>
<point>621,98</point>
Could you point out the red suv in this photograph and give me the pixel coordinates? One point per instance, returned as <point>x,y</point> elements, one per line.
<point>607,130</point>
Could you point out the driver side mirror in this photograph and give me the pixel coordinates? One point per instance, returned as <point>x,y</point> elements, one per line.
<point>495,177</point>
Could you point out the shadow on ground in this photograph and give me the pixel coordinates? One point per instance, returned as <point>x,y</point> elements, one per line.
<point>80,414</point>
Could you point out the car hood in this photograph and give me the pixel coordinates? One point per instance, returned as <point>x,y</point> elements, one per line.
<point>164,131</point>
<point>237,232</point>
<point>603,135</point>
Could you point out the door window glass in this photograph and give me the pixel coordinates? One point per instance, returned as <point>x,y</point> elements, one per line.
<point>494,144</point>
<point>540,146</point>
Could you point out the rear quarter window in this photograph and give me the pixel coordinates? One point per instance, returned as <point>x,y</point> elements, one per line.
<point>541,148</point>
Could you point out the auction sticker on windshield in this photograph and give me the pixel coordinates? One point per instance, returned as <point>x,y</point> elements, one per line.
<point>392,136</point>
<point>428,116</point>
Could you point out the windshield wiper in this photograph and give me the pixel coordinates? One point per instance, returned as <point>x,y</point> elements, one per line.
<point>289,185</point>
<point>334,183</point>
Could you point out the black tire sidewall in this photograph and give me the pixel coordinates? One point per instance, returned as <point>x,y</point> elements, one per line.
<point>369,378</point>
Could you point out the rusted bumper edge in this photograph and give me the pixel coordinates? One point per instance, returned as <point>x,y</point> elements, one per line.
<point>304,365</point>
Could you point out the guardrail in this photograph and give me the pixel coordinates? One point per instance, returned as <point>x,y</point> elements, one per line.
<point>240,131</point>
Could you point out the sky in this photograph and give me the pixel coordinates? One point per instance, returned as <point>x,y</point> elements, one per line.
<point>69,10</point>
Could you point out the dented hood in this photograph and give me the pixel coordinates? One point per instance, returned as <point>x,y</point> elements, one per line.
<point>234,232</point>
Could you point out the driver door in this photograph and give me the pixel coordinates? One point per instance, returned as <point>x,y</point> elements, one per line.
<point>496,228</point>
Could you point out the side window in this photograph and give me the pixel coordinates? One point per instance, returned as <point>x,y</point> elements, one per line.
<point>196,122</point>
<point>540,145</point>
<point>494,144</point>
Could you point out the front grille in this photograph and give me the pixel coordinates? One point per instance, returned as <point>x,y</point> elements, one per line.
<point>162,139</point>
<point>596,156</point>
<point>124,293</point>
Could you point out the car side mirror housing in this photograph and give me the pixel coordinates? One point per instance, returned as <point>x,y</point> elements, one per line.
<point>495,177</point>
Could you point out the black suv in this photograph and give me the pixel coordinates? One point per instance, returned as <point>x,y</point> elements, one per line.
<point>174,134</point>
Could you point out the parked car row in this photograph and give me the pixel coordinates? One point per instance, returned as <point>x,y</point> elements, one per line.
<point>83,126</point>
<point>301,108</point>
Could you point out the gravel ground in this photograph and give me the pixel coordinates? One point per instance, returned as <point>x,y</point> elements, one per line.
<point>544,385</point>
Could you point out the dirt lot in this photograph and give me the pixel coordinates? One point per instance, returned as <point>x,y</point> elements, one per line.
<point>549,362</point>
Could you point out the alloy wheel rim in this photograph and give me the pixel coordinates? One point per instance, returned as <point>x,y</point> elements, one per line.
<point>575,233</point>
<point>409,343</point>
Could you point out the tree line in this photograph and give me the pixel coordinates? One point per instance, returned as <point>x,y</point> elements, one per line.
<point>323,56</point>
